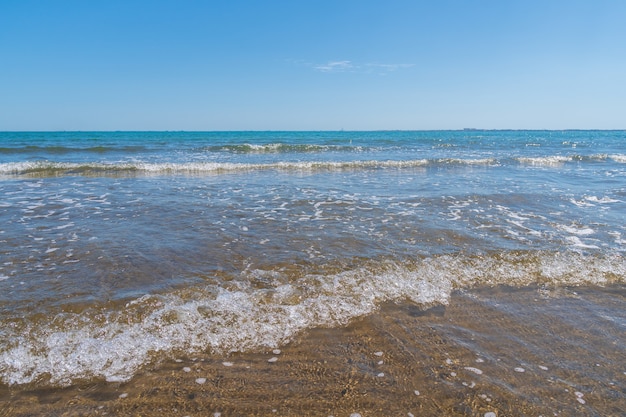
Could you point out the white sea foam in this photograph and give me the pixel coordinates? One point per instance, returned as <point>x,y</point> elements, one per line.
<point>618,237</point>
<point>459,161</point>
<point>603,200</point>
<point>546,160</point>
<point>580,231</point>
<point>242,317</point>
<point>54,168</point>
<point>575,241</point>
<point>621,158</point>
<point>17,168</point>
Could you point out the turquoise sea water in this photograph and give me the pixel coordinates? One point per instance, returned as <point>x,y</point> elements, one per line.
<point>122,248</point>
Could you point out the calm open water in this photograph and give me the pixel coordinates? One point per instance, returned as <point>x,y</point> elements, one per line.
<point>122,248</point>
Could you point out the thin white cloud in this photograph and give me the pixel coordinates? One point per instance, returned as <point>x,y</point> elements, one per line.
<point>389,67</point>
<point>349,66</point>
<point>335,66</point>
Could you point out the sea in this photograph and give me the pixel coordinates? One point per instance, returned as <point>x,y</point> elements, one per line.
<point>124,249</point>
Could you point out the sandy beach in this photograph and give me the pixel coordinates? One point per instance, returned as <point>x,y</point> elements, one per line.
<point>490,352</point>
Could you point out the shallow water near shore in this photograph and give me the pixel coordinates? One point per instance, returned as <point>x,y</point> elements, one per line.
<point>502,350</point>
<point>121,252</point>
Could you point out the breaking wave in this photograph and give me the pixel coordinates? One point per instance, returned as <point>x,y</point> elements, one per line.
<point>263,309</point>
<point>45,168</point>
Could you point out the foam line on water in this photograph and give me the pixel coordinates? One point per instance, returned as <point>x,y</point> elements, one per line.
<point>51,168</point>
<point>240,316</point>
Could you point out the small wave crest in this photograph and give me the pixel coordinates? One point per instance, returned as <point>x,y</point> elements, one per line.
<point>51,168</point>
<point>279,148</point>
<point>619,158</point>
<point>47,168</point>
<point>558,160</point>
<point>262,309</point>
<point>44,168</point>
<point>62,150</point>
<point>546,160</point>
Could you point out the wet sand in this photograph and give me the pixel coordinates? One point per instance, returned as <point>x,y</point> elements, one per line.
<point>490,352</point>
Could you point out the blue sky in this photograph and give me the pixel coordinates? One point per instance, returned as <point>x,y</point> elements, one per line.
<point>312,65</point>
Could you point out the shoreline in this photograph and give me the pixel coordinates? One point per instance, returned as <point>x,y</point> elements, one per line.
<point>502,350</point>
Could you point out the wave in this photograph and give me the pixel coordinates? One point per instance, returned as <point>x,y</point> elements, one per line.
<point>44,168</point>
<point>279,148</point>
<point>51,168</point>
<point>244,148</point>
<point>261,309</point>
<point>619,158</point>
<point>60,150</point>
<point>555,160</point>
<point>558,160</point>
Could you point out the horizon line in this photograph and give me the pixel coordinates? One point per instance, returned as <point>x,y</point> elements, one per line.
<point>315,130</point>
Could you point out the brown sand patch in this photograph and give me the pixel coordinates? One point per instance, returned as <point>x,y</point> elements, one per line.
<point>503,351</point>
